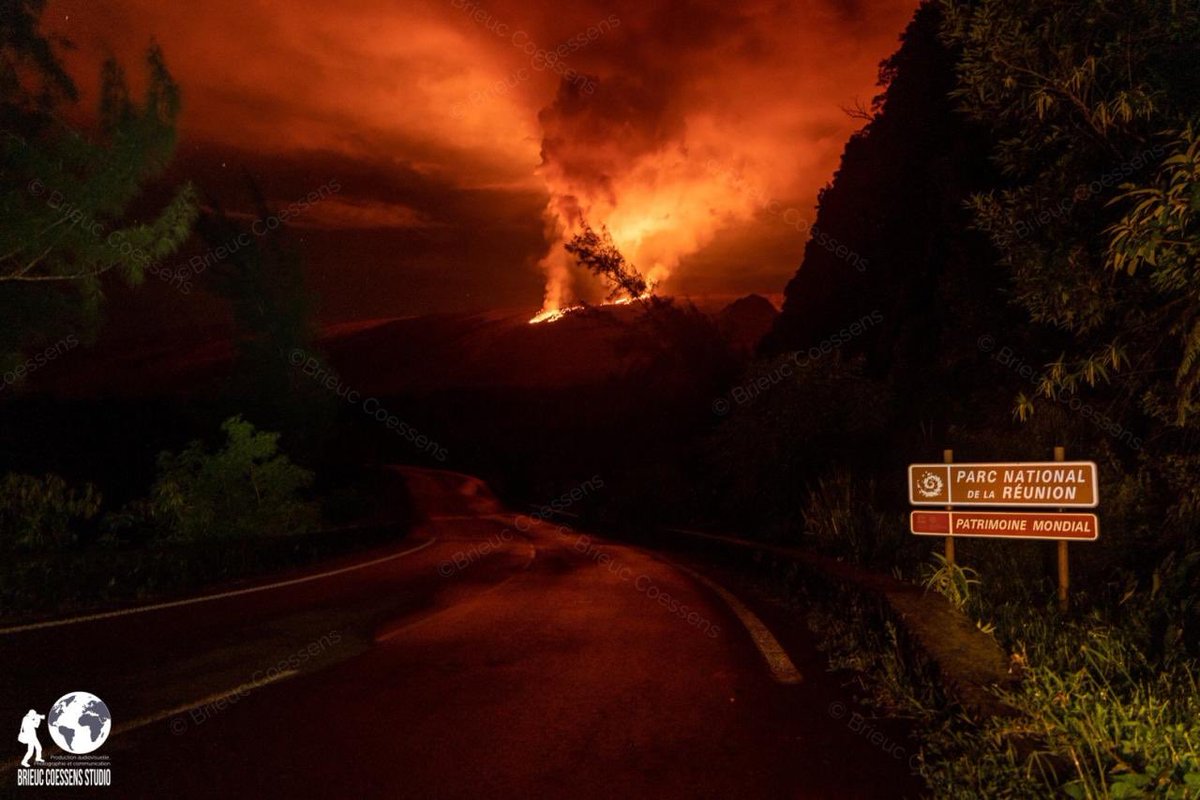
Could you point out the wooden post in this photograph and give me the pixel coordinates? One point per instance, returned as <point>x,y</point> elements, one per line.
<point>948,458</point>
<point>1064,570</point>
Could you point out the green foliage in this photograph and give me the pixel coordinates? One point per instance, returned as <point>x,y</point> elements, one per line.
<point>1159,237</point>
<point>39,513</point>
<point>1084,99</point>
<point>952,581</point>
<point>247,488</point>
<point>1124,737</point>
<point>1096,719</point>
<point>1107,705</point>
<point>64,199</point>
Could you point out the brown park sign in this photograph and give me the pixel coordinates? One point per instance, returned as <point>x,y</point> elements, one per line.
<point>1005,524</point>
<point>1029,483</point>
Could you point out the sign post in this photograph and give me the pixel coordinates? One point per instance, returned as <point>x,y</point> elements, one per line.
<point>1046,489</point>
<point>948,457</point>
<point>1064,572</point>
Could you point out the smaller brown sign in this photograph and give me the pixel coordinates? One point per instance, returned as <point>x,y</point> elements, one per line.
<point>1005,524</point>
<point>1029,483</point>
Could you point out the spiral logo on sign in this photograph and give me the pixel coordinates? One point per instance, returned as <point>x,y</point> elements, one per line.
<point>931,485</point>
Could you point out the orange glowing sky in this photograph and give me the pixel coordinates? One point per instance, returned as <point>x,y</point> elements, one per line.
<point>695,130</point>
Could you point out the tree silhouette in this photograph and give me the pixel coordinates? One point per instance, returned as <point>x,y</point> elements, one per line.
<point>64,199</point>
<point>263,280</point>
<point>600,255</point>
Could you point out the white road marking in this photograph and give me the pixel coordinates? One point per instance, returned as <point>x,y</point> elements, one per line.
<point>237,691</point>
<point>141,722</point>
<point>781,666</point>
<point>124,612</point>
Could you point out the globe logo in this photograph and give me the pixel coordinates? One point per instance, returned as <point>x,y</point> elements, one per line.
<point>79,722</point>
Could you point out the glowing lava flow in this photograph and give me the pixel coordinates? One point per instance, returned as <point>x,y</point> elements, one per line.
<point>552,314</point>
<point>555,314</point>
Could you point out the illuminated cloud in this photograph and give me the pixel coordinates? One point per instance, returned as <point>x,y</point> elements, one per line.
<point>672,123</point>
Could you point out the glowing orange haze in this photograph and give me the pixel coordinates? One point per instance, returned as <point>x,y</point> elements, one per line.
<point>670,124</point>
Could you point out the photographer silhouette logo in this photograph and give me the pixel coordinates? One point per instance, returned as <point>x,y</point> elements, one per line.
<point>29,737</point>
<point>79,723</point>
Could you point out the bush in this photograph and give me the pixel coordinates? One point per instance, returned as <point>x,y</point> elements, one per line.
<point>1098,712</point>
<point>839,513</point>
<point>1108,702</point>
<point>248,488</point>
<point>39,513</point>
<point>1097,719</point>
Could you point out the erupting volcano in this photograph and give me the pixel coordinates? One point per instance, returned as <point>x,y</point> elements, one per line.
<point>687,147</point>
<point>620,156</point>
<point>598,253</point>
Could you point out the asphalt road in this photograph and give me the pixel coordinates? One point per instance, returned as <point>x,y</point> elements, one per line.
<point>480,658</point>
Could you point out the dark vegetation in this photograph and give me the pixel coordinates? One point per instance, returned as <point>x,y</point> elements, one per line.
<point>245,478</point>
<point>1004,262</point>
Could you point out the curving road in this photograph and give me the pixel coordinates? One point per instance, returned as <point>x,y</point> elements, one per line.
<point>481,658</point>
